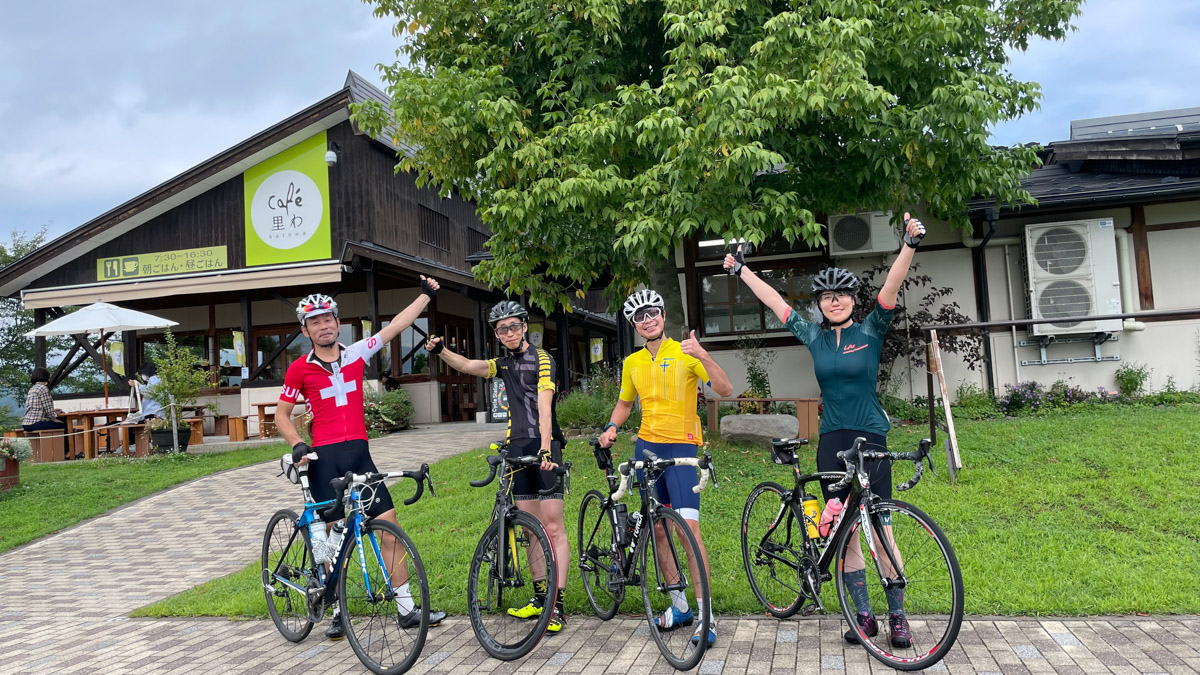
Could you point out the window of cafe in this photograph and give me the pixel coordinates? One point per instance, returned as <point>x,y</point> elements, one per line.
<point>730,307</point>
<point>405,355</point>
<point>267,340</point>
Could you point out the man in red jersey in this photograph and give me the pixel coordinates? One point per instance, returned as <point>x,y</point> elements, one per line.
<point>331,380</point>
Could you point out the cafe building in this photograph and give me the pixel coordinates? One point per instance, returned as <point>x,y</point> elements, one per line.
<point>228,247</point>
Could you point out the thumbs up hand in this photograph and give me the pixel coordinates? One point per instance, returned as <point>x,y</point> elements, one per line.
<point>691,346</point>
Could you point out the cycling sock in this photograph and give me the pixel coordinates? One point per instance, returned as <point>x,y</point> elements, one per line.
<point>856,585</point>
<point>700,612</point>
<point>337,610</point>
<point>679,600</point>
<point>895,599</point>
<point>404,601</point>
<point>558,601</point>
<point>539,591</point>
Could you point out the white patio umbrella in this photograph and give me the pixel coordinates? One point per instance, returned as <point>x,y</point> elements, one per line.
<point>101,317</point>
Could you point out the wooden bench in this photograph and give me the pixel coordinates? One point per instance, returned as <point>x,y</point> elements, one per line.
<point>48,445</point>
<point>135,439</point>
<point>197,425</point>
<point>806,411</point>
<point>237,429</point>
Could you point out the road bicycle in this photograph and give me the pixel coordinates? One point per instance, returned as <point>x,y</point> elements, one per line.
<point>787,556</point>
<point>513,552</point>
<point>372,572</point>
<point>618,549</point>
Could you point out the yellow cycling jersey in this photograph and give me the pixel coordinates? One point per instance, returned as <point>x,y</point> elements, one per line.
<point>667,386</point>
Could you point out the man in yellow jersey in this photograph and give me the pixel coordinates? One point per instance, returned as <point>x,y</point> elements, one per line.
<point>666,375</point>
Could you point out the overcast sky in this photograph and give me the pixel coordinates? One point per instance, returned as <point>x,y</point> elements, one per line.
<point>103,101</point>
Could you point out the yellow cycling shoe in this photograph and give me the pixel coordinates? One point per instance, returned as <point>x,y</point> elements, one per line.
<point>530,611</point>
<point>556,622</point>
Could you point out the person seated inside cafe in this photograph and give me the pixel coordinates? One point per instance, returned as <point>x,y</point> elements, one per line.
<point>40,412</point>
<point>148,373</point>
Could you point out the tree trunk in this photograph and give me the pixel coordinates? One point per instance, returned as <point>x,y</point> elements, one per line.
<point>665,280</point>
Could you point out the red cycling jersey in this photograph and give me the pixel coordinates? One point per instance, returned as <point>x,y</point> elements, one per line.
<point>333,391</point>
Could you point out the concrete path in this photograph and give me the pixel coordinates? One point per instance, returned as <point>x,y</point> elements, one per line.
<point>66,598</point>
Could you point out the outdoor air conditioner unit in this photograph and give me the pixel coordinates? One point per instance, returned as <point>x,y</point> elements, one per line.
<point>855,234</point>
<point>1072,271</point>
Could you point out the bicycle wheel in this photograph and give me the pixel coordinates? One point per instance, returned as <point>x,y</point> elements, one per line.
<point>771,549</point>
<point>371,587</point>
<point>665,560</point>
<point>932,596</point>
<point>286,567</point>
<point>598,558</point>
<point>493,589</point>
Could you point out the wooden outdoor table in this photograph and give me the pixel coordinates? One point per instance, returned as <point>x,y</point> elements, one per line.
<point>87,420</point>
<point>268,418</point>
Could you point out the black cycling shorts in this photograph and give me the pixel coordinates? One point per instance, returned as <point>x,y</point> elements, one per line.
<point>528,480</point>
<point>333,461</point>
<point>833,442</point>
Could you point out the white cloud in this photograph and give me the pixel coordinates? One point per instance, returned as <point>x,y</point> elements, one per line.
<point>1126,57</point>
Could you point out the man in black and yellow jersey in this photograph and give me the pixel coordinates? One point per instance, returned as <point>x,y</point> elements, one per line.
<point>528,374</point>
<point>666,377</point>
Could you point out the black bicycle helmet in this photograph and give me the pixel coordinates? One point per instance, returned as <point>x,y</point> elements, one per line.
<point>506,309</point>
<point>834,279</point>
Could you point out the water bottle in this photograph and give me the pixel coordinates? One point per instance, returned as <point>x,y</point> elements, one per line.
<point>812,514</point>
<point>622,530</point>
<point>334,545</point>
<point>832,508</point>
<point>319,538</point>
<point>635,526</point>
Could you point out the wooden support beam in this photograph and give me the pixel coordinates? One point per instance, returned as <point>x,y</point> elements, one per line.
<point>1141,256</point>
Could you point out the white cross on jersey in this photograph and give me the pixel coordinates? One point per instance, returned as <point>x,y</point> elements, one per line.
<point>338,388</point>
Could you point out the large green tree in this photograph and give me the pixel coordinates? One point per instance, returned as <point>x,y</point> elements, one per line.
<point>17,356</point>
<point>595,134</point>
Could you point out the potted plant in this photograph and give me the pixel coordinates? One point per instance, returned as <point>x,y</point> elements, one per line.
<point>13,451</point>
<point>181,379</point>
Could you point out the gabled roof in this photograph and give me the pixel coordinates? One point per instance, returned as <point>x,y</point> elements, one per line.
<point>324,114</point>
<point>1112,170</point>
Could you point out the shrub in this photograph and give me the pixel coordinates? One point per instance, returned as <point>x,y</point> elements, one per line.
<point>594,406</point>
<point>1024,397</point>
<point>973,403</point>
<point>1063,395</point>
<point>900,410</point>
<point>389,410</point>
<point>18,449</point>
<point>1131,379</point>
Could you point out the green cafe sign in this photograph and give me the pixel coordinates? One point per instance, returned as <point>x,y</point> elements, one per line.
<point>287,206</point>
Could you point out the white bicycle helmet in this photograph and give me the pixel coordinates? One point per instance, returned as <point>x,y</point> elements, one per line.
<point>641,299</point>
<point>315,304</point>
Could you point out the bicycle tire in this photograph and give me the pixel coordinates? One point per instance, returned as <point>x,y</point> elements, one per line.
<point>502,636</point>
<point>597,559</point>
<point>370,612</point>
<point>676,646</point>
<point>776,560</point>
<point>288,608</point>
<point>933,599</point>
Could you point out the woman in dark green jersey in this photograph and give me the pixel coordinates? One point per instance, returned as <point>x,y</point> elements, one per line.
<point>846,362</point>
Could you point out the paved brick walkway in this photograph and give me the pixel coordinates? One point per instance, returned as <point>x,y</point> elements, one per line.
<point>66,597</point>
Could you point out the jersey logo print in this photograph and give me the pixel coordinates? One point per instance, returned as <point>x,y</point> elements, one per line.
<point>338,388</point>
<point>290,392</point>
<point>850,349</point>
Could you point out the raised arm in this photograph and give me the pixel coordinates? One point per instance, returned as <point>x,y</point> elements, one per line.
<point>408,315</point>
<point>458,362</point>
<point>914,232</point>
<point>761,289</point>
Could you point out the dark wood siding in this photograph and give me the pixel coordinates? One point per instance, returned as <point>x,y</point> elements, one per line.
<point>214,218</point>
<point>371,202</point>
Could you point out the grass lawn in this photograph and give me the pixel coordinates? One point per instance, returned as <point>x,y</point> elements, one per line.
<point>1088,513</point>
<point>53,496</point>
